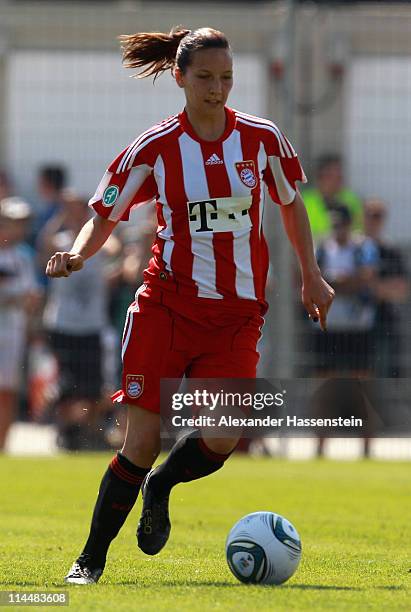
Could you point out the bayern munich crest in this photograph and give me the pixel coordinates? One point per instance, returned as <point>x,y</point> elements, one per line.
<point>246,172</point>
<point>134,385</point>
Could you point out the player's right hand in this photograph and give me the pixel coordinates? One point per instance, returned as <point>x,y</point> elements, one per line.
<point>63,264</point>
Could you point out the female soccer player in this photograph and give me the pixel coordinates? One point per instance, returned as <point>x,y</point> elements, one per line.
<point>199,311</point>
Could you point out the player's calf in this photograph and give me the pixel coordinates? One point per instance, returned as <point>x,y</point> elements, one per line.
<point>189,459</point>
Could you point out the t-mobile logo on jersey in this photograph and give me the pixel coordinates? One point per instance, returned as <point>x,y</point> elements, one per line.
<point>219,214</point>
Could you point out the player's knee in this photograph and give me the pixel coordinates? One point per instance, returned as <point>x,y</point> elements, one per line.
<point>142,442</point>
<point>142,451</point>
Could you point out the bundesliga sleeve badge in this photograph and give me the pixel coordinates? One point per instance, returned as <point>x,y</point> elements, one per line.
<point>246,172</point>
<point>110,196</point>
<point>134,385</point>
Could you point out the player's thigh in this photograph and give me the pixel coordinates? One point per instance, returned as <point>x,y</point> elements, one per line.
<point>148,355</point>
<point>236,356</point>
<point>226,364</point>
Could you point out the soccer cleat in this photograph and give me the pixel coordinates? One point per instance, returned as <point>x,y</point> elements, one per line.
<point>154,526</point>
<point>81,574</point>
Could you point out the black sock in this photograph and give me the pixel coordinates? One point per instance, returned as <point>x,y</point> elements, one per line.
<point>189,459</point>
<point>117,495</point>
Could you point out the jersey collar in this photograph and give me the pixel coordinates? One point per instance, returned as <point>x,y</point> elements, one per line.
<point>229,127</point>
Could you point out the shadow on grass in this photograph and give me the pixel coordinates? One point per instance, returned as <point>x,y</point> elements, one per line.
<point>325,587</point>
<point>216,583</point>
<point>320,587</point>
<point>176,585</point>
<point>51,586</point>
<point>390,587</point>
<point>190,584</point>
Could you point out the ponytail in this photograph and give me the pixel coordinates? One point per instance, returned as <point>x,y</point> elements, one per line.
<point>157,52</point>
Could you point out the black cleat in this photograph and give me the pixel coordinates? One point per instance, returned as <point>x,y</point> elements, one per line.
<point>154,526</point>
<point>81,574</point>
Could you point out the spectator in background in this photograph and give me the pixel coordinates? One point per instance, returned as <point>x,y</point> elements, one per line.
<point>330,188</point>
<point>51,181</point>
<point>19,296</point>
<point>75,316</point>
<point>6,189</point>
<point>350,266</point>
<point>391,288</point>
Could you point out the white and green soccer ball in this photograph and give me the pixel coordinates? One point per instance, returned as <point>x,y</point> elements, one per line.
<point>264,548</point>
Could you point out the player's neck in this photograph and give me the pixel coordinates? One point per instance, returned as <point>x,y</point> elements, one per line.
<point>209,127</point>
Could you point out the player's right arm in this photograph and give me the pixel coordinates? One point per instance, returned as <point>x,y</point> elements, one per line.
<point>128,181</point>
<point>90,239</point>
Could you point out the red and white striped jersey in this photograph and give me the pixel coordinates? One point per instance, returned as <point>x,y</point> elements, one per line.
<point>210,202</point>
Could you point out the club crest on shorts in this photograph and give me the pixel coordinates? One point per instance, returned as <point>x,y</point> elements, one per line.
<point>246,172</point>
<point>134,385</point>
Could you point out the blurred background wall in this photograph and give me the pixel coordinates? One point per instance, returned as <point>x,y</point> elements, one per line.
<point>65,95</point>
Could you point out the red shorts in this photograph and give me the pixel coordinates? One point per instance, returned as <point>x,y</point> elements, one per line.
<point>167,337</point>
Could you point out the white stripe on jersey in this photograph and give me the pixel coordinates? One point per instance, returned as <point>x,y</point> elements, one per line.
<point>265,127</point>
<point>128,325</point>
<point>284,147</point>
<point>259,120</point>
<point>262,164</point>
<point>129,319</point>
<point>167,233</point>
<point>196,188</point>
<point>140,138</point>
<point>290,146</point>
<point>244,283</point>
<point>125,330</point>
<point>142,143</point>
<point>102,186</point>
<point>285,191</point>
<point>146,142</point>
<point>133,183</point>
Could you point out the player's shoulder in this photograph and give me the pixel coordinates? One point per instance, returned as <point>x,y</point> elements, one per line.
<point>258,123</point>
<point>145,146</point>
<point>164,124</point>
<point>158,130</point>
<point>267,131</point>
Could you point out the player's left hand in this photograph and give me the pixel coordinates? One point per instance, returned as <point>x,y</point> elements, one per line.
<point>317,296</point>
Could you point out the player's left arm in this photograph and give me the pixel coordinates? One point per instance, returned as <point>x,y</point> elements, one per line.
<point>282,172</point>
<point>317,295</point>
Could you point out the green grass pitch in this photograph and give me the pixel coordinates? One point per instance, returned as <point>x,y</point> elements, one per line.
<point>353,517</point>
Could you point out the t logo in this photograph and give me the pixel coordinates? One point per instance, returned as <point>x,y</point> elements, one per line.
<point>202,208</point>
<point>219,215</point>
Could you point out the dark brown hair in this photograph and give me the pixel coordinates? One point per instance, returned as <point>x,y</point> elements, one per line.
<point>160,52</point>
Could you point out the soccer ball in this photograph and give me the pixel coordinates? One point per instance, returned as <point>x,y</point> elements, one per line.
<point>264,548</point>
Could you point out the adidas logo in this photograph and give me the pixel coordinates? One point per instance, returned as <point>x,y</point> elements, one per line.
<point>214,159</point>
